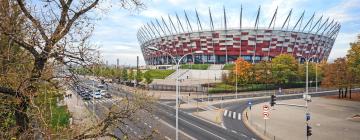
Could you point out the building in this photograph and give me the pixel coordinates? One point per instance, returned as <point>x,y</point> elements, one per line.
<point>311,38</point>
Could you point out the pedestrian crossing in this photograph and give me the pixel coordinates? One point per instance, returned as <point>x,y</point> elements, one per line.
<point>104,100</point>
<point>232,114</point>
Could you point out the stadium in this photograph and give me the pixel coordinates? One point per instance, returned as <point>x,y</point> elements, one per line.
<point>164,40</point>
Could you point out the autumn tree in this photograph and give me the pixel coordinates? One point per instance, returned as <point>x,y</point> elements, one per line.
<point>46,36</point>
<point>353,61</point>
<point>242,71</point>
<point>335,75</point>
<point>284,68</point>
<point>263,72</point>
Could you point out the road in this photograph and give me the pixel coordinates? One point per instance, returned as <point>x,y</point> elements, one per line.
<point>239,107</point>
<point>191,127</point>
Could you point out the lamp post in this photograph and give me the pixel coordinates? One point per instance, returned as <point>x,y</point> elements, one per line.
<point>177,82</point>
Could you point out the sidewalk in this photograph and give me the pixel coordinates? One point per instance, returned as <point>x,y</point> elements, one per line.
<point>81,117</point>
<point>330,120</point>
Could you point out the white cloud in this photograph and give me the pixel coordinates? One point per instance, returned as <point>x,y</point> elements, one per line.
<point>342,45</point>
<point>342,11</point>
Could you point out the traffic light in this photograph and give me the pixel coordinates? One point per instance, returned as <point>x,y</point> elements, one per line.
<point>308,130</point>
<point>272,100</point>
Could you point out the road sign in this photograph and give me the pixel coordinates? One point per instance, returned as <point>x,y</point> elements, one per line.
<point>307,116</point>
<point>266,108</point>
<point>249,103</point>
<point>266,115</point>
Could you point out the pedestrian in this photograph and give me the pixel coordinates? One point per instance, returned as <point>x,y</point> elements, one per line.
<point>246,115</point>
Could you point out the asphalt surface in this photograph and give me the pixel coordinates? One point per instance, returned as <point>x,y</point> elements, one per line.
<point>193,126</point>
<point>240,106</point>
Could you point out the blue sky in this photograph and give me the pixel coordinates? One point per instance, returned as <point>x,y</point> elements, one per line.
<point>115,33</point>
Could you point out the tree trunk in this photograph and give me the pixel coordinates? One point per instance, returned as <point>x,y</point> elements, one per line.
<point>22,119</point>
<point>350,92</point>
<point>346,90</point>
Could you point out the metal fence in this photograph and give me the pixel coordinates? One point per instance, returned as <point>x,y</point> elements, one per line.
<point>197,88</point>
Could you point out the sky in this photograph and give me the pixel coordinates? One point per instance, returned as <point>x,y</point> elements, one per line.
<point>115,32</point>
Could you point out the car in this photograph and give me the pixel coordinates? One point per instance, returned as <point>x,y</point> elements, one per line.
<point>103,92</point>
<point>86,97</point>
<point>107,95</point>
<point>100,86</point>
<point>97,95</point>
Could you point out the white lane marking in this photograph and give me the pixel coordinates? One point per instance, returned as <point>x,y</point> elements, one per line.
<point>86,103</point>
<point>149,126</point>
<point>239,116</point>
<point>202,129</point>
<point>145,123</point>
<point>243,135</point>
<point>234,115</point>
<point>166,137</point>
<point>225,112</point>
<point>229,113</point>
<point>167,124</point>
<point>233,131</point>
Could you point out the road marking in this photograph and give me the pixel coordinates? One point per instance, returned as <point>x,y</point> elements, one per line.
<point>233,131</point>
<point>201,129</point>
<point>166,137</point>
<point>234,115</point>
<point>86,103</point>
<point>229,113</point>
<point>239,116</point>
<point>167,124</point>
<point>244,135</point>
<point>149,126</point>
<point>225,112</point>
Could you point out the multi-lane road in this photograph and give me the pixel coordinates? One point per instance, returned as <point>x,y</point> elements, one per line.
<point>191,127</point>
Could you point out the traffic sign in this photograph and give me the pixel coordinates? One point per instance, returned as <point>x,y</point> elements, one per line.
<point>307,116</point>
<point>249,103</point>
<point>266,115</point>
<point>266,108</point>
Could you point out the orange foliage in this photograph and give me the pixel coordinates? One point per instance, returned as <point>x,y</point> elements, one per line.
<point>242,67</point>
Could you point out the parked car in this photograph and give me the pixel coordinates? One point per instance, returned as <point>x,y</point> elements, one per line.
<point>86,97</point>
<point>108,95</point>
<point>100,86</point>
<point>97,95</point>
<point>103,92</point>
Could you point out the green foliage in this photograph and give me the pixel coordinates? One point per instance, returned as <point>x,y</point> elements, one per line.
<point>131,75</point>
<point>228,66</point>
<point>156,74</point>
<point>284,68</point>
<point>124,75</point>
<point>195,66</point>
<point>139,75</point>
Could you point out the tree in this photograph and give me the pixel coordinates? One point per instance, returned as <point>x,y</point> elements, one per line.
<point>131,75</point>
<point>335,75</point>
<point>284,67</point>
<point>138,76</point>
<point>353,61</point>
<point>124,75</point>
<point>263,72</point>
<point>242,71</point>
<point>48,35</point>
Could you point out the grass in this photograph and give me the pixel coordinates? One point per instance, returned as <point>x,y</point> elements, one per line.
<point>229,66</point>
<point>60,115</point>
<point>158,74</point>
<point>195,66</point>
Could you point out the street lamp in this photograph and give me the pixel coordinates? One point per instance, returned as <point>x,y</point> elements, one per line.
<point>177,82</point>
